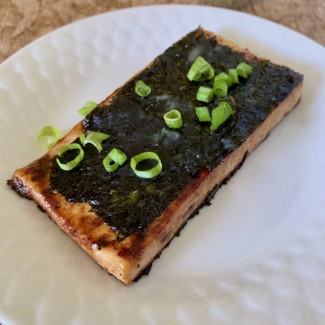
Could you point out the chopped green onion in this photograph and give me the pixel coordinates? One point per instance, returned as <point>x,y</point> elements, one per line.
<point>200,70</point>
<point>49,135</point>
<point>74,162</point>
<point>142,89</point>
<point>233,76</point>
<point>204,94</point>
<point>203,114</point>
<point>110,165</point>
<point>118,156</point>
<point>220,87</point>
<point>96,139</point>
<point>114,160</point>
<point>173,119</point>
<point>150,173</point>
<point>220,114</point>
<point>223,76</point>
<point>87,108</point>
<point>244,69</point>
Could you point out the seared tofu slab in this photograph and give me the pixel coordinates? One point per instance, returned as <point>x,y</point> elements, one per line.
<point>123,220</point>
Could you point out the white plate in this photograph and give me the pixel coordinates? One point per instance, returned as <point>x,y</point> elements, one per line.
<point>255,256</point>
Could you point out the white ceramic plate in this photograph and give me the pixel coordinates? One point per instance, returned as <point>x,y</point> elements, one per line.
<point>255,256</point>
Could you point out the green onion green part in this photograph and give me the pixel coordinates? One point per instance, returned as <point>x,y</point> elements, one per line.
<point>150,173</point>
<point>74,162</point>
<point>110,165</point>
<point>142,89</point>
<point>173,119</point>
<point>96,139</point>
<point>220,87</point>
<point>223,76</point>
<point>49,135</point>
<point>204,94</point>
<point>244,69</point>
<point>200,70</point>
<point>87,108</point>
<point>220,114</point>
<point>118,156</point>
<point>233,75</point>
<point>203,114</point>
<point>114,160</point>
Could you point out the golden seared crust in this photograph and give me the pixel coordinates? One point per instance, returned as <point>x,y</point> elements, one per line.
<point>126,259</point>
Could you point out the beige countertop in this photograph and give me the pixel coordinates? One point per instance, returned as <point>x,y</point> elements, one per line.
<point>22,21</point>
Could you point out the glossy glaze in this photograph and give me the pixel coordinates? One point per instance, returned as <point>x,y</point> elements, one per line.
<point>128,203</point>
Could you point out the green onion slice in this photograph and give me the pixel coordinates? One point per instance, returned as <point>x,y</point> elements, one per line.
<point>203,114</point>
<point>220,114</point>
<point>244,69</point>
<point>223,76</point>
<point>110,165</point>
<point>233,74</point>
<point>200,70</point>
<point>49,135</point>
<point>173,119</point>
<point>142,89</point>
<point>118,156</point>
<point>96,139</point>
<point>87,108</point>
<point>150,173</point>
<point>114,160</point>
<point>204,94</point>
<point>220,87</point>
<point>74,162</point>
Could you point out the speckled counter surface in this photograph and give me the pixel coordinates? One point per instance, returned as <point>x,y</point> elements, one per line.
<point>22,21</point>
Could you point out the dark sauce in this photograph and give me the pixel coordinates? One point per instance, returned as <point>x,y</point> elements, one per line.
<point>128,203</point>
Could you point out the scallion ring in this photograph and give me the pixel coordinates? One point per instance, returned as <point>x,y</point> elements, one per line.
<point>173,119</point>
<point>220,87</point>
<point>204,94</point>
<point>74,162</point>
<point>96,139</point>
<point>110,165</point>
<point>151,172</point>
<point>223,76</point>
<point>142,89</point>
<point>244,69</point>
<point>220,114</point>
<point>200,70</point>
<point>49,135</point>
<point>114,160</point>
<point>87,108</point>
<point>203,114</point>
<point>233,74</point>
